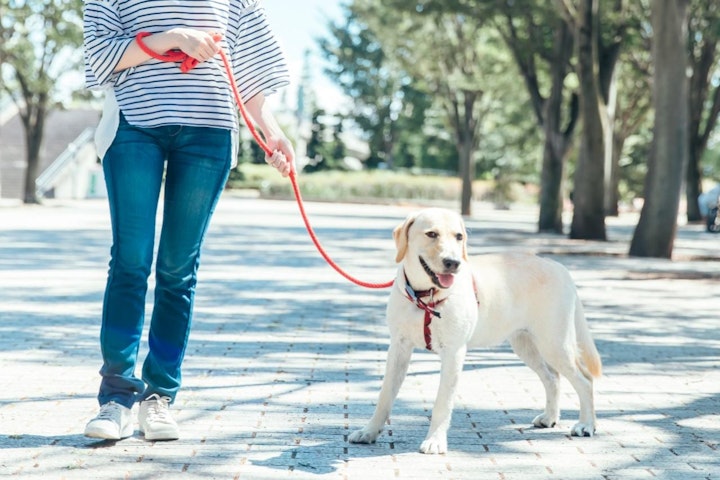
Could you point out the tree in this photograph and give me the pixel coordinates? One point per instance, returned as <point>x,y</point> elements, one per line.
<point>40,45</point>
<point>446,54</point>
<point>655,233</point>
<point>596,63</point>
<point>358,64</point>
<point>539,35</point>
<point>315,142</point>
<point>588,220</point>
<point>703,41</point>
<point>536,34</point>
<point>630,104</point>
<point>322,152</point>
<point>5,34</point>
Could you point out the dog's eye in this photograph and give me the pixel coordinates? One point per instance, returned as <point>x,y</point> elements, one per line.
<point>431,234</point>
<point>459,237</point>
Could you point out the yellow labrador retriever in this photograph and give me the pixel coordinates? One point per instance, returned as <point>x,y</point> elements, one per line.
<point>447,303</point>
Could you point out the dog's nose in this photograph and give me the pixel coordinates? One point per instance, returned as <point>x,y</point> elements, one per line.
<point>451,264</point>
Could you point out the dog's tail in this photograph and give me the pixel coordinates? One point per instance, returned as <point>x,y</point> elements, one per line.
<point>589,355</point>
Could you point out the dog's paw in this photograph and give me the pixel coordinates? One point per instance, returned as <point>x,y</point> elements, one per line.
<point>434,445</point>
<point>583,430</point>
<point>363,436</point>
<point>545,421</point>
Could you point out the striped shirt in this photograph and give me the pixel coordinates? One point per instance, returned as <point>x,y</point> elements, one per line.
<point>157,93</point>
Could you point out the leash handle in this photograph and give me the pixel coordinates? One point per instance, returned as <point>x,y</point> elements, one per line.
<point>169,56</point>
<point>188,63</point>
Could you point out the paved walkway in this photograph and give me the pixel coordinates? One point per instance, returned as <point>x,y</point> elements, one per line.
<point>286,357</point>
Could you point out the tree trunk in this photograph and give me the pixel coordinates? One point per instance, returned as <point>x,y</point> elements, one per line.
<point>610,196</point>
<point>693,181</point>
<point>34,122</point>
<point>696,98</point>
<point>704,101</point>
<point>557,138</point>
<point>465,123</point>
<point>608,56</point>
<point>588,221</point>
<point>551,177</point>
<point>467,126</point>
<point>655,232</point>
<point>467,173</point>
<point>612,192</point>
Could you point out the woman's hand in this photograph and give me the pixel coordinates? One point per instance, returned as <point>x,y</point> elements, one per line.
<point>283,157</point>
<point>198,44</point>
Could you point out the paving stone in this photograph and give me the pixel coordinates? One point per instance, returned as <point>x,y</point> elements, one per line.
<point>286,357</point>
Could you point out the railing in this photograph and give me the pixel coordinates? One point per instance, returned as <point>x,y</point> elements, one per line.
<point>46,181</point>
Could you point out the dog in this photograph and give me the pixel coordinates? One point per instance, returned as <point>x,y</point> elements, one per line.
<point>445,302</point>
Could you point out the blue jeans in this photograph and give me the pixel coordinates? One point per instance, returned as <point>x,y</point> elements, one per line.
<point>198,164</point>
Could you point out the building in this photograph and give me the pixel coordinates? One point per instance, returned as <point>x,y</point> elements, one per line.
<point>68,137</point>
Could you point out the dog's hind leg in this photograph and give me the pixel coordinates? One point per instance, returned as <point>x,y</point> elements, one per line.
<point>565,359</point>
<point>523,345</point>
<point>398,360</point>
<point>582,382</point>
<point>452,361</point>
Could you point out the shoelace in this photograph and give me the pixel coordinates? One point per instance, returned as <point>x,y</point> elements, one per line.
<point>158,409</point>
<point>109,411</point>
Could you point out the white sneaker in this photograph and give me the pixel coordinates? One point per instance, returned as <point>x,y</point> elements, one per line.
<point>113,422</point>
<point>155,419</point>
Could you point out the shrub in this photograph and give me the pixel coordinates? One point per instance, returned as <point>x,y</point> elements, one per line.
<point>372,186</point>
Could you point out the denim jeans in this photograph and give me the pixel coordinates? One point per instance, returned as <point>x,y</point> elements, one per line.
<point>198,164</point>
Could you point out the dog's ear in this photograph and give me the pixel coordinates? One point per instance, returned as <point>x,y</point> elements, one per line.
<point>400,234</point>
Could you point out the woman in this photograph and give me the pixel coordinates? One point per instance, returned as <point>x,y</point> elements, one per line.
<point>165,128</point>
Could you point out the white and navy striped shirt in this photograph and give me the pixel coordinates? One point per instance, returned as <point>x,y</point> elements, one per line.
<point>156,93</point>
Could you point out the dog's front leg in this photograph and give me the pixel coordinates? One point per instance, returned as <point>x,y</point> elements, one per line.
<point>398,359</point>
<point>452,361</point>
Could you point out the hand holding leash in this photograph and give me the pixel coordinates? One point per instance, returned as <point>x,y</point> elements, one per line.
<point>283,156</point>
<point>201,49</point>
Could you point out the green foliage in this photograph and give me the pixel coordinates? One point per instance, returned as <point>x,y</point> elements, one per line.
<point>633,166</point>
<point>322,153</point>
<point>386,104</point>
<point>401,65</point>
<point>711,163</point>
<point>40,45</point>
<point>389,55</point>
<point>366,186</point>
<point>376,186</point>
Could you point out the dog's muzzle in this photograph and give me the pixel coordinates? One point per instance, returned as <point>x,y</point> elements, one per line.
<point>445,279</point>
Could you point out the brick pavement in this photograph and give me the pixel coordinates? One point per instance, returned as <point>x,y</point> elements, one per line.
<point>286,357</point>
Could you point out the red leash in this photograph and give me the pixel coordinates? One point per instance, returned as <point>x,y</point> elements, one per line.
<point>188,63</point>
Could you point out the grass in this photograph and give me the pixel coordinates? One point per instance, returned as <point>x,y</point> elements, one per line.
<point>374,186</point>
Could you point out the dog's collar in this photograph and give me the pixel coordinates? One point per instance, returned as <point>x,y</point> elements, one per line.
<point>416,296</point>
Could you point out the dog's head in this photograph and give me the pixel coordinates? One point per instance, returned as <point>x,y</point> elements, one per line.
<point>432,244</point>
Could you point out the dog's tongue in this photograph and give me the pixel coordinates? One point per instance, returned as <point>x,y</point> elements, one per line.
<point>446,280</point>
